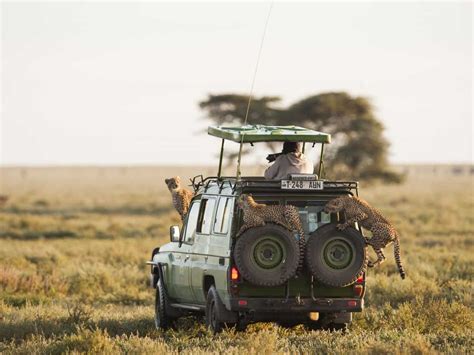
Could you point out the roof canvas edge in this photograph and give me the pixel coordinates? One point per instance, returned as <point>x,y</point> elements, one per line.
<point>263,133</point>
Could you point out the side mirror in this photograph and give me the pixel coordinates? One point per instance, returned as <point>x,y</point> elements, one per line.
<point>174,234</point>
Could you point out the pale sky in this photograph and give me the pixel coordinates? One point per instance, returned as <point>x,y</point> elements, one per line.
<point>119,83</point>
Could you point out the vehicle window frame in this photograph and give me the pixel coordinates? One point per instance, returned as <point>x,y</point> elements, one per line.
<point>334,217</point>
<point>229,207</point>
<point>202,212</point>
<point>186,225</point>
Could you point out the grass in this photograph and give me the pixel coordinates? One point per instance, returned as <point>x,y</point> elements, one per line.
<point>73,242</point>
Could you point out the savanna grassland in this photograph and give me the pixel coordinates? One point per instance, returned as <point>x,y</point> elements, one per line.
<point>74,241</point>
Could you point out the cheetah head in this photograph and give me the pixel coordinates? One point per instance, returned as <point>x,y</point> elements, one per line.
<point>173,183</point>
<point>245,200</point>
<point>334,205</point>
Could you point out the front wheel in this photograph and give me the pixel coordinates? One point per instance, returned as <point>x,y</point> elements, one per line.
<point>163,318</point>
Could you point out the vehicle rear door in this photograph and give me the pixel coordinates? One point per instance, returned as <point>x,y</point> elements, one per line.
<point>219,245</point>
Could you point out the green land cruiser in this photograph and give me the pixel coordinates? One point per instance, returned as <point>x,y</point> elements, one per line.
<point>198,271</point>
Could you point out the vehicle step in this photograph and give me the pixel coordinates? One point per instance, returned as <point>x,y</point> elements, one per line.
<point>187,306</point>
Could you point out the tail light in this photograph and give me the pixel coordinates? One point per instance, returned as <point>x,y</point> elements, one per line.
<point>234,274</point>
<point>358,290</point>
<point>359,287</point>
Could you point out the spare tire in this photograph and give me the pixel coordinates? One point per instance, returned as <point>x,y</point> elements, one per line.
<point>268,255</point>
<point>336,257</point>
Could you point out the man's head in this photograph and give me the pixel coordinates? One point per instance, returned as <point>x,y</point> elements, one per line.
<point>291,147</point>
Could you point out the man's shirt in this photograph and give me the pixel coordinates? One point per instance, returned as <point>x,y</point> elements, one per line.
<point>291,163</point>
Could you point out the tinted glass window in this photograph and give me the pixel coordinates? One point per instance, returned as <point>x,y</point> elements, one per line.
<point>205,216</point>
<point>191,222</point>
<point>312,216</point>
<point>222,215</point>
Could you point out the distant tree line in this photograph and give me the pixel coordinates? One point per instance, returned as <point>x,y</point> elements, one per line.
<point>358,149</point>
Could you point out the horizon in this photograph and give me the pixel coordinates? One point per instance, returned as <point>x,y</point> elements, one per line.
<point>138,165</point>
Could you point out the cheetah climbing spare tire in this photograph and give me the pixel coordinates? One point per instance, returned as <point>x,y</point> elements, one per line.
<point>268,255</point>
<point>336,257</point>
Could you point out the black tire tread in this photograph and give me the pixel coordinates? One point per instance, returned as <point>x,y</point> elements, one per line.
<point>160,308</point>
<point>302,244</point>
<point>212,294</point>
<point>239,251</point>
<point>326,280</point>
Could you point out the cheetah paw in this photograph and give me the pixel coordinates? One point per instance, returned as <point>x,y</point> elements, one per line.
<point>341,226</point>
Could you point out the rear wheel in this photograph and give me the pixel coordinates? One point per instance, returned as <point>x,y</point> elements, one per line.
<point>241,326</point>
<point>216,312</point>
<point>287,325</point>
<point>268,255</point>
<point>335,257</point>
<point>331,322</point>
<point>333,327</point>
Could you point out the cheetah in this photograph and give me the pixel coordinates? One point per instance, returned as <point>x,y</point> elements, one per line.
<point>383,233</point>
<point>258,214</point>
<point>181,196</point>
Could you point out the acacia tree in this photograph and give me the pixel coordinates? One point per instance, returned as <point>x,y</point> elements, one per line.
<point>358,149</point>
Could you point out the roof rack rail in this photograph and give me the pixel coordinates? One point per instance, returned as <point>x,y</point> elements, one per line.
<point>261,183</point>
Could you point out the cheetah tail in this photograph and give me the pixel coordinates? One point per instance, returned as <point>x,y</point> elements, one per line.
<point>396,252</point>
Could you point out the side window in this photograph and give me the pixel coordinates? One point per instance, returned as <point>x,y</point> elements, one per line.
<point>205,216</point>
<point>191,222</point>
<point>221,224</point>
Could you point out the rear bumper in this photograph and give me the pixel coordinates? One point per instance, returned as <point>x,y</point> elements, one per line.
<point>296,305</point>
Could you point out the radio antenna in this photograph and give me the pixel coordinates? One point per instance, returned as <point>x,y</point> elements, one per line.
<point>256,65</point>
<point>239,157</point>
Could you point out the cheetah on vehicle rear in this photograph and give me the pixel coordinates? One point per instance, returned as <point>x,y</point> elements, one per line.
<point>258,214</point>
<point>383,233</point>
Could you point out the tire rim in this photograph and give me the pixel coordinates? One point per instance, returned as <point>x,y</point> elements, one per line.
<point>268,252</point>
<point>337,253</point>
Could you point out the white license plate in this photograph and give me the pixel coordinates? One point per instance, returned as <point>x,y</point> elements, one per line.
<point>302,185</point>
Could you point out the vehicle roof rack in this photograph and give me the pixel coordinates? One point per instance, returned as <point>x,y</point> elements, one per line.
<point>264,133</point>
<point>261,184</point>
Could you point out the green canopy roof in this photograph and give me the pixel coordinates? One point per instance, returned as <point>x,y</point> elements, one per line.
<point>262,133</point>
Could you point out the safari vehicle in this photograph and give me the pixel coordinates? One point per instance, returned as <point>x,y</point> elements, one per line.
<point>202,268</point>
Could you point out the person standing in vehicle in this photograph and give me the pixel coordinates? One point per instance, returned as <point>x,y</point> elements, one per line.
<point>290,161</point>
